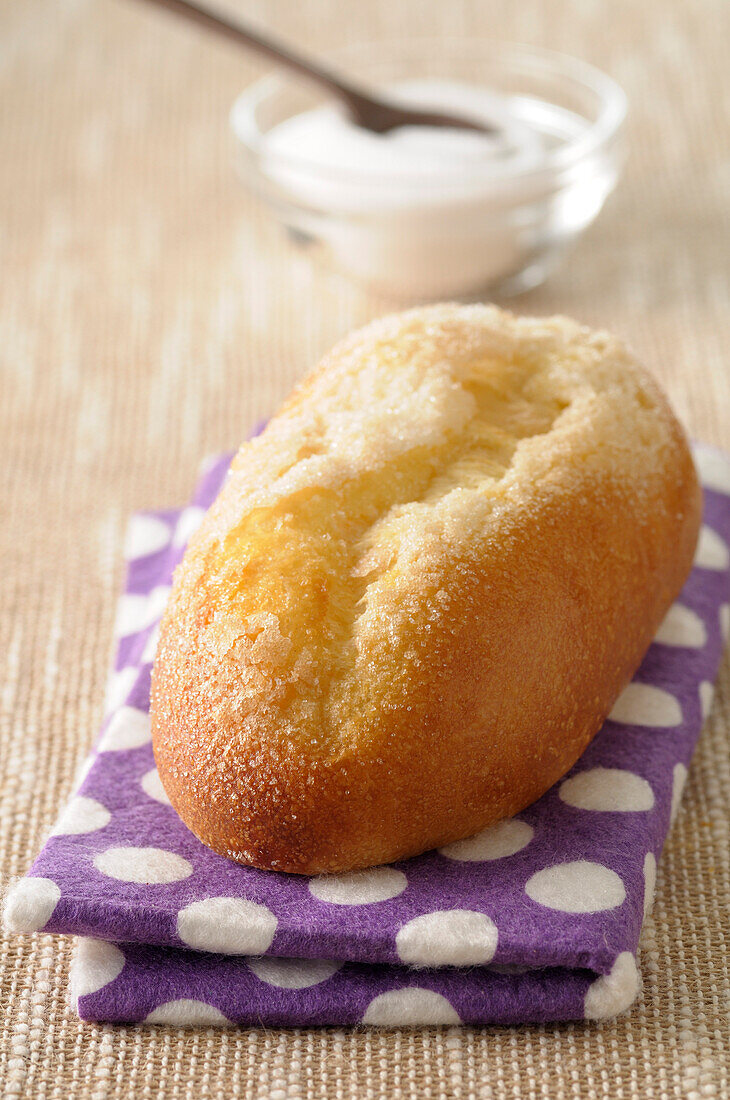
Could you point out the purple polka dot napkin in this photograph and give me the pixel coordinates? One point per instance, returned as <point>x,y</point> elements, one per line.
<point>535,919</point>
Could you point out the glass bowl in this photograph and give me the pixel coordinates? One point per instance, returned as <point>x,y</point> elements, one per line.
<point>417,238</point>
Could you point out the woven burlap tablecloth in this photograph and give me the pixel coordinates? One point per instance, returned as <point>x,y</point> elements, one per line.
<point>150,314</point>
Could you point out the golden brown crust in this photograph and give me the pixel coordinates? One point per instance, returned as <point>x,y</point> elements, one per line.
<point>421,590</point>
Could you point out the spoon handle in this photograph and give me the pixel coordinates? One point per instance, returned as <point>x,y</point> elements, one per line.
<point>267,47</point>
<point>365,110</point>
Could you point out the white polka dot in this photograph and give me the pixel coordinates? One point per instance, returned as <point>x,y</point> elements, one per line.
<point>359,887</point>
<point>713,469</point>
<point>682,627</point>
<point>496,842</point>
<point>293,973</point>
<point>645,705</point>
<point>119,686</point>
<point>145,535</point>
<point>455,937</point>
<point>577,887</point>
<point>131,614</point>
<point>185,1012</point>
<point>83,770</point>
<point>410,1008</point>
<point>188,523</point>
<point>158,598</point>
<point>206,464</point>
<point>151,866</point>
<point>607,789</point>
<point>150,649</point>
<point>29,905</point>
<point>135,613</point>
<point>81,815</point>
<point>152,786</point>
<point>230,926</point>
<point>712,552</point>
<point>128,729</point>
<point>649,881</point>
<point>724,616</point>
<point>613,993</point>
<point>679,778</point>
<point>95,964</point>
<point>707,693</point>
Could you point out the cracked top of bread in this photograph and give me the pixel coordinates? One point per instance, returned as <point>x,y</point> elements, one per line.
<point>456,504</point>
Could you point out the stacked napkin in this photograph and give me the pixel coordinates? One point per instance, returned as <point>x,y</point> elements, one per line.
<point>535,919</point>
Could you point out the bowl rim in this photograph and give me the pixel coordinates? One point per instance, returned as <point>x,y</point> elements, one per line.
<point>612,111</point>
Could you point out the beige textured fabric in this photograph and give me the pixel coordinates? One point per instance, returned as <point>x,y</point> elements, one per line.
<point>149,314</point>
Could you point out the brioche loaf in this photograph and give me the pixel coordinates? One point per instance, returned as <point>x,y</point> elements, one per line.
<point>420,590</point>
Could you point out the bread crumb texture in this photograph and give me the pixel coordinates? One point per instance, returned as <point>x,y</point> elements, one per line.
<point>440,497</point>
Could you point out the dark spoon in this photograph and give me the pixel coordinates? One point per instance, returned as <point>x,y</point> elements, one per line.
<point>365,109</point>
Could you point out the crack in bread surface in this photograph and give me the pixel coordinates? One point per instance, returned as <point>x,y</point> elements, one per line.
<point>344,514</point>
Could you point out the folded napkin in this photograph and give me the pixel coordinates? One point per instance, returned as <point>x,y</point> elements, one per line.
<point>535,919</point>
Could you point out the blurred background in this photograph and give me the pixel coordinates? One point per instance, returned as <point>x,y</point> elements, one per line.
<point>155,311</point>
<point>151,313</point>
